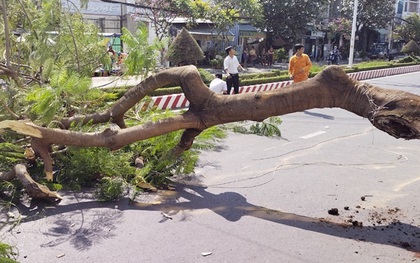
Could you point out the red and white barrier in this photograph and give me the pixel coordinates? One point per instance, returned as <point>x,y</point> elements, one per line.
<point>178,101</point>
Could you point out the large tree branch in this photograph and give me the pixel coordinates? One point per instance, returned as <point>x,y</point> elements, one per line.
<point>395,112</point>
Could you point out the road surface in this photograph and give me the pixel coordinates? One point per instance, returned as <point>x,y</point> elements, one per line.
<point>333,189</point>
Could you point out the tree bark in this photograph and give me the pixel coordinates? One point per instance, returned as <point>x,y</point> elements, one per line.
<point>393,111</point>
<point>33,189</point>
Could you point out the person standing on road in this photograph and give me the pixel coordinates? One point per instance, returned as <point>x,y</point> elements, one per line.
<point>253,56</point>
<point>270,56</point>
<point>231,65</point>
<point>218,85</point>
<point>299,65</point>
<point>245,57</point>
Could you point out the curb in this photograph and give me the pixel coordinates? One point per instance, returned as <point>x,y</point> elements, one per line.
<point>178,101</point>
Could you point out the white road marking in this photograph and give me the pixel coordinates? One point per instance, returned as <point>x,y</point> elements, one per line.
<point>401,186</point>
<point>310,135</point>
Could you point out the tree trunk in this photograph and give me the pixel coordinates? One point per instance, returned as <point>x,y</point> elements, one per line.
<point>393,111</point>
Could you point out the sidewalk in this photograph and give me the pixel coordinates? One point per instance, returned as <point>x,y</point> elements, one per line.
<point>115,81</point>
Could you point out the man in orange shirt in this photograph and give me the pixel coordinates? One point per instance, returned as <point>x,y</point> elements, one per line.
<point>299,64</point>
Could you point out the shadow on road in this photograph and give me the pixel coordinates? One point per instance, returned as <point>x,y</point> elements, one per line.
<point>229,205</point>
<point>328,117</point>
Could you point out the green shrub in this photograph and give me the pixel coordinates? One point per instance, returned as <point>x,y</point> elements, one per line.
<point>184,50</point>
<point>83,167</point>
<point>110,188</point>
<point>166,91</point>
<point>206,76</point>
<point>216,63</point>
<point>407,59</point>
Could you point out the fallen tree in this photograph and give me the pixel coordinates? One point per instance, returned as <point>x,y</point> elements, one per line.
<point>392,111</point>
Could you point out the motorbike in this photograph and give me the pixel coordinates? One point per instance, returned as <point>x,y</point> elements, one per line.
<point>333,58</point>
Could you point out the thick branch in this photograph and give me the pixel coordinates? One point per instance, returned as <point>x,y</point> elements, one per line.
<point>130,98</point>
<point>33,189</point>
<point>8,71</point>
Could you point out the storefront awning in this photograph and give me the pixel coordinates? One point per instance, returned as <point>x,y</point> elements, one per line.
<point>251,34</point>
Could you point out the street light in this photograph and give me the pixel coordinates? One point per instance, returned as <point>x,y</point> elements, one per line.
<point>353,33</point>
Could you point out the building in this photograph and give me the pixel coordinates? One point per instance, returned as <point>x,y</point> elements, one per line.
<point>405,8</point>
<point>110,18</point>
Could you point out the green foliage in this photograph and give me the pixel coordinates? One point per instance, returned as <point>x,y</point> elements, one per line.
<point>159,163</point>
<point>166,91</point>
<point>61,40</point>
<point>340,25</point>
<point>84,166</point>
<point>184,50</point>
<point>207,138</point>
<point>410,29</point>
<point>142,55</point>
<point>282,19</point>
<point>371,14</point>
<point>224,13</point>
<point>216,63</point>
<point>206,76</point>
<point>67,92</point>
<point>56,51</point>
<point>10,154</point>
<point>110,188</point>
<point>268,127</point>
<point>7,253</point>
<point>281,54</point>
<point>409,59</point>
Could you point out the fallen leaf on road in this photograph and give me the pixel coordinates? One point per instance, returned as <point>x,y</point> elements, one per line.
<point>167,216</point>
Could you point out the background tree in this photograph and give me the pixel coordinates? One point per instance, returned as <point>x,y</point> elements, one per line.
<point>410,29</point>
<point>289,19</point>
<point>371,15</point>
<point>224,14</point>
<point>184,50</point>
<point>340,25</point>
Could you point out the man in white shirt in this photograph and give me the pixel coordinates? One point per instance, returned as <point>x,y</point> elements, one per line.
<point>231,65</point>
<point>218,85</point>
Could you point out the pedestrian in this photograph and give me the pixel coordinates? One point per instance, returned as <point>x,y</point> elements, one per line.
<point>110,64</point>
<point>231,65</point>
<point>253,56</point>
<point>218,85</point>
<point>263,57</point>
<point>245,57</point>
<point>299,65</point>
<point>270,56</point>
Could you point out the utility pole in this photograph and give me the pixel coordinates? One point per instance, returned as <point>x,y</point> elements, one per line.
<point>6,31</point>
<point>353,33</point>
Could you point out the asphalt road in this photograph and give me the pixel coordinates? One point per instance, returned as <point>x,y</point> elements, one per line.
<point>334,189</point>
